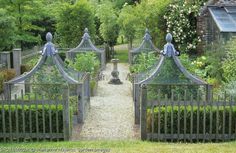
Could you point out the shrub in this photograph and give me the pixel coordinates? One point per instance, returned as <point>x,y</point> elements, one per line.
<point>143,62</point>
<point>29,65</point>
<point>228,64</point>
<point>86,62</point>
<point>188,119</point>
<point>181,18</point>
<point>6,75</point>
<point>24,68</point>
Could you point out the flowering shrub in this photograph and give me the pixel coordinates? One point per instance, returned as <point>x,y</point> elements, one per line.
<point>182,23</point>
<point>196,66</point>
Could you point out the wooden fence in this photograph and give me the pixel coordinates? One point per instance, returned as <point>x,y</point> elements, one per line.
<point>27,119</point>
<point>187,120</point>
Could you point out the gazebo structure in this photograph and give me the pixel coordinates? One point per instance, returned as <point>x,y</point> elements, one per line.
<point>86,45</point>
<point>167,76</point>
<point>51,80</point>
<point>145,47</point>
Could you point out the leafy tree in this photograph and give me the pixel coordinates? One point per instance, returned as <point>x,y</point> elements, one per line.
<point>127,21</point>
<point>7,30</point>
<point>150,14</point>
<point>109,28</point>
<point>26,12</point>
<point>72,21</point>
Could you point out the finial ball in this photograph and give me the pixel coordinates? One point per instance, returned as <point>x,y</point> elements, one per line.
<point>169,38</point>
<point>49,37</point>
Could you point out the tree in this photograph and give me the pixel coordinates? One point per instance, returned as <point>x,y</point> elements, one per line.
<point>127,22</point>
<point>26,12</point>
<point>72,21</point>
<point>7,30</point>
<point>109,27</point>
<point>150,14</point>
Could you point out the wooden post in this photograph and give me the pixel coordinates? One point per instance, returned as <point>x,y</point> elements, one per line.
<point>80,93</point>
<point>66,114</point>
<point>17,60</point>
<point>137,104</point>
<point>143,119</point>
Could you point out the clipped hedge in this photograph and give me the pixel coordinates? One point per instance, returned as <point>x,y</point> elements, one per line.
<point>188,119</point>
<point>18,111</point>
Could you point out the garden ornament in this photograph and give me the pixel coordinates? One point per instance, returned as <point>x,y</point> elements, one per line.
<point>169,49</point>
<point>49,48</point>
<point>115,73</point>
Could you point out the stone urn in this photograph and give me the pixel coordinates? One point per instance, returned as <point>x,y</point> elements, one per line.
<point>115,73</point>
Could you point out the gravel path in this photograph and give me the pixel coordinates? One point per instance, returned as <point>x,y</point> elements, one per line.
<point>111,114</point>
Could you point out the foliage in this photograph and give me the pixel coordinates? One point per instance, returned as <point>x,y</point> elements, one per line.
<point>182,111</point>
<point>230,88</point>
<point>7,30</point>
<point>229,62</point>
<point>121,3</point>
<point>26,13</point>
<point>109,28</point>
<point>143,62</point>
<point>6,75</point>
<point>197,66</point>
<point>181,19</point>
<point>86,62</point>
<point>73,100</point>
<point>150,14</point>
<point>72,21</point>
<point>29,65</point>
<point>127,21</point>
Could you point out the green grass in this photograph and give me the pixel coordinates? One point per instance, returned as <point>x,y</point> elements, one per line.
<point>122,55</point>
<point>119,147</point>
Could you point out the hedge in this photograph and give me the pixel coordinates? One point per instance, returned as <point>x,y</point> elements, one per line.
<point>18,110</point>
<point>188,119</point>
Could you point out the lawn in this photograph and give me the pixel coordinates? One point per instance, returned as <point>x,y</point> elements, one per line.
<point>122,55</point>
<point>118,147</point>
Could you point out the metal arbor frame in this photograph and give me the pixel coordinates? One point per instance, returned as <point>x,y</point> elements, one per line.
<point>146,46</point>
<point>147,77</point>
<point>76,86</point>
<point>86,45</point>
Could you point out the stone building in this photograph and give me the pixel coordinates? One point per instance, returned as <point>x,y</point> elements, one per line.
<point>216,23</point>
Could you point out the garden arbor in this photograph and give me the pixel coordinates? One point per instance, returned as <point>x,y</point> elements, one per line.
<point>47,97</point>
<point>145,47</point>
<point>175,105</point>
<point>166,76</point>
<point>85,46</point>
